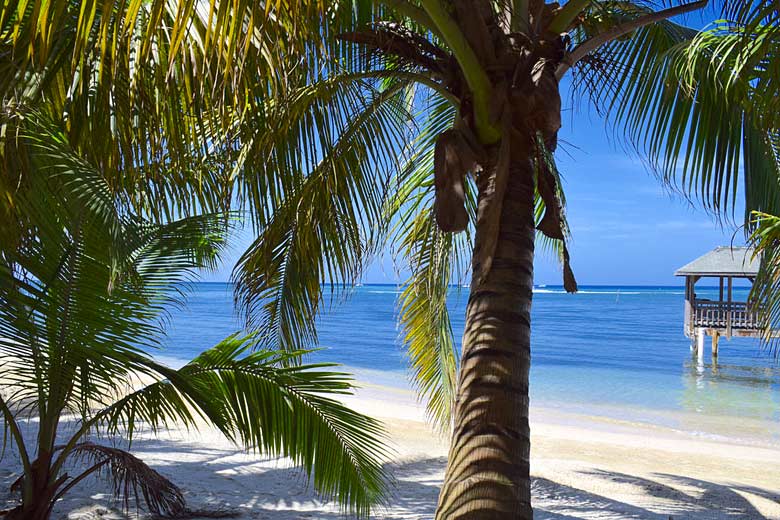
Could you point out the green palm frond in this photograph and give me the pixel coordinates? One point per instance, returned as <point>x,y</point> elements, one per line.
<point>272,402</point>
<point>339,448</point>
<point>677,104</point>
<point>766,288</point>
<point>435,260</point>
<point>745,56</point>
<point>432,257</point>
<point>752,15</point>
<point>761,156</point>
<point>316,225</point>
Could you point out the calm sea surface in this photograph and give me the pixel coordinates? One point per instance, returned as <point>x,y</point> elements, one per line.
<point>614,351</point>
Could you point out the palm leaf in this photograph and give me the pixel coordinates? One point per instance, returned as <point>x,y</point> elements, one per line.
<point>130,477</point>
<point>316,226</point>
<point>766,289</point>
<point>678,105</point>
<point>435,260</point>
<point>273,403</point>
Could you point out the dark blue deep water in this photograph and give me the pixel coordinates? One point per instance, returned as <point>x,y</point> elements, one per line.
<point>607,350</point>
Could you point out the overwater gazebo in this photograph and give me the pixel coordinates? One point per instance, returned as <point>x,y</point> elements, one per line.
<point>724,316</point>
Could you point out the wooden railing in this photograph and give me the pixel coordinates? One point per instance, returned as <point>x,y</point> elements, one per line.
<point>718,314</point>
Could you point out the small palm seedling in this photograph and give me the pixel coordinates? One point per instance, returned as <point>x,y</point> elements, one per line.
<point>83,286</point>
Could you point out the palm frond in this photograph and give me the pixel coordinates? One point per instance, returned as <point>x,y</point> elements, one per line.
<point>435,259</point>
<point>270,401</point>
<point>340,449</point>
<point>318,225</point>
<point>130,477</point>
<point>745,56</point>
<point>765,293</point>
<point>427,331</point>
<point>677,111</point>
<point>761,156</point>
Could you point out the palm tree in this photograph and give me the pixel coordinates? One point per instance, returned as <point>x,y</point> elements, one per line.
<point>82,294</point>
<point>346,126</point>
<point>486,76</point>
<point>747,44</point>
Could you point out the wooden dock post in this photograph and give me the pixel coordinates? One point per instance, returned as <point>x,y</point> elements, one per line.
<point>700,334</point>
<point>715,340</point>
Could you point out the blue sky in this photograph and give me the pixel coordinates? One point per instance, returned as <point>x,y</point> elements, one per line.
<point>627,228</point>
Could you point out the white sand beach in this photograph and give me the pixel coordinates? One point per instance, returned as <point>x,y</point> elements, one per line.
<point>583,467</point>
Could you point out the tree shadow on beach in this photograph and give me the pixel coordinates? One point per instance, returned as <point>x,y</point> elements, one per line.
<point>663,496</point>
<point>221,479</point>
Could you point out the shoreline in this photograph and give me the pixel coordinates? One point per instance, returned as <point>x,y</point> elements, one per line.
<point>591,466</point>
<point>582,466</point>
<point>702,424</point>
<point>391,402</point>
<point>391,392</point>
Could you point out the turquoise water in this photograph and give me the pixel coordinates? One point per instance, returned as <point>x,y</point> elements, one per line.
<point>609,350</point>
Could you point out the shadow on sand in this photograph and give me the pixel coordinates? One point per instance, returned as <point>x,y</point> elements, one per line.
<point>219,479</point>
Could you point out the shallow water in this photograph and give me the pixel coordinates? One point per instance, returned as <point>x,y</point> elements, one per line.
<point>614,351</point>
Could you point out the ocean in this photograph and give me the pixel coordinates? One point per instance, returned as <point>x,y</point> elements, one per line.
<point>617,352</point>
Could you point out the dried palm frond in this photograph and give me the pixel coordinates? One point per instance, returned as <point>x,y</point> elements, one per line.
<point>393,39</point>
<point>130,477</point>
<point>550,195</point>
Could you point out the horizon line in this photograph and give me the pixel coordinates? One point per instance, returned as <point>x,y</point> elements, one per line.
<point>465,285</point>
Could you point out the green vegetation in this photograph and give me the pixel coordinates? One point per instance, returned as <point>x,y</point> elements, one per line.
<point>343,128</point>
<point>83,291</point>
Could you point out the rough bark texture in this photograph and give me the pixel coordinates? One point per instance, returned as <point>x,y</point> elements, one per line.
<point>38,505</point>
<point>488,471</point>
<point>36,511</point>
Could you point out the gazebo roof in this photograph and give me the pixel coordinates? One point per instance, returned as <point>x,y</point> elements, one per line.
<point>723,261</point>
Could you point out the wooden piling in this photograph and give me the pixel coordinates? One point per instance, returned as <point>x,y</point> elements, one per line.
<point>700,334</point>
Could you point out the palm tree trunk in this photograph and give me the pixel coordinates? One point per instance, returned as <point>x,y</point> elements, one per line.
<point>39,504</point>
<point>37,511</point>
<point>487,474</point>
